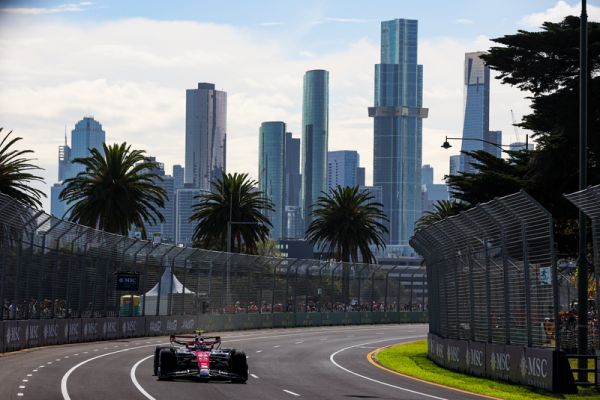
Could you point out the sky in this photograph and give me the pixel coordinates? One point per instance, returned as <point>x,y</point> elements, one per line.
<point>129,63</point>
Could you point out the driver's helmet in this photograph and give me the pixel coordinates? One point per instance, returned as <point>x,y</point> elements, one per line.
<point>199,343</point>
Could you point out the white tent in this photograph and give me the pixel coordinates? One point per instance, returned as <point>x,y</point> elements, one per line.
<point>169,284</point>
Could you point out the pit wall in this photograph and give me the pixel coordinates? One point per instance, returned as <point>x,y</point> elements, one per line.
<point>16,335</point>
<point>538,367</point>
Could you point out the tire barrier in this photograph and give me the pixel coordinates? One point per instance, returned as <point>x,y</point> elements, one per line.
<point>17,335</point>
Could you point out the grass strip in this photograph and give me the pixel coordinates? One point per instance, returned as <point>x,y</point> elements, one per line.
<point>411,359</point>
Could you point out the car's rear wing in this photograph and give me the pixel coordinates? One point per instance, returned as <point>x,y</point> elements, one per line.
<point>189,339</point>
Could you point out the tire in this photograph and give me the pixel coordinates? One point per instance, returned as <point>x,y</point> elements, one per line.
<point>167,363</point>
<point>156,358</point>
<point>238,365</point>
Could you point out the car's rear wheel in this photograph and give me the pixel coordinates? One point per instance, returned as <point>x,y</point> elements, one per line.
<point>157,357</point>
<point>238,365</point>
<point>167,364</point>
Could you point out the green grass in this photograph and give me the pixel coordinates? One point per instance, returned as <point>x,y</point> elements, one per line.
<point>411,359</point>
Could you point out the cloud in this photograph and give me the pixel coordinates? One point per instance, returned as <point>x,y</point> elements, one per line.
<point>558,13</point>
<point>62,8</point>
<point>132,74</point>
<point>464,21</point>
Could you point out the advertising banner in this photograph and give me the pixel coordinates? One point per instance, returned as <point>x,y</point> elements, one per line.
<point>33,331</point>
<point>73,330</point>
<point>110,328</point>
<point>90,330</point>
<point>14,338</point>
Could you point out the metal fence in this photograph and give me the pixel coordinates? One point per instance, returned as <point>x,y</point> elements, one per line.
<point>588,201</point>
<point>492,274</point>
<point>51,268</point>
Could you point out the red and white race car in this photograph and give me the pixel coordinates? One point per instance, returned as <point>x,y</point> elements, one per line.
<point>200,357</point>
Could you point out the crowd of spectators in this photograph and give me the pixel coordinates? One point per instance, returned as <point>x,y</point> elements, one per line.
<point>568,329</point>
<point>312,306</point>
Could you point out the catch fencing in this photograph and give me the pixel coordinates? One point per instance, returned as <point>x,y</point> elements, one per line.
<point>494,292</point>
<point>54,269</point>
<point>492,273</point>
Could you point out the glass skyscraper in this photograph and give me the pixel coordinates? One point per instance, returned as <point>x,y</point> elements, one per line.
<point>271,172</point>
<point>476,122</point>
<point>292,170</point>
<point>87,134</point>
<point>343,169</point>
<point>205,135</point>
<point>398,114</point>
<point>315,129</point>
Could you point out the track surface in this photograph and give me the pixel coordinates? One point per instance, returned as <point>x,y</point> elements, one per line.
<point>310,363</point>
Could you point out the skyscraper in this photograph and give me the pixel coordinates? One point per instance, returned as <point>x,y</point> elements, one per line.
<point>431,192</point>
<point>398,114</point>
<point>292,170</point>
<point>476,122</point>
<point>166,229</point>
<point>271,172</point>
<point>205,135</point>
<point>454,165</point>
<point>184,199</point>
<point>315,128</point>
<point>342,168</point>
<point>86,135</point>
<point>178,173</point>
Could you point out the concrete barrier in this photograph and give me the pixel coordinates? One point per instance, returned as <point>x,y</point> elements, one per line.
<point>16,335</point>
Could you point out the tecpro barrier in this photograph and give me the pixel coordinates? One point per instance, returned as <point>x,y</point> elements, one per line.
<point>537,367</point>
<point>16,335</point>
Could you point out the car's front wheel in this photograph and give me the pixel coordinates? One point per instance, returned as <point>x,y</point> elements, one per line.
<point>239,366</point>
<point>167,364</point>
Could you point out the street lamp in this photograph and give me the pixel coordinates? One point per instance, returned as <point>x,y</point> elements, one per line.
<point>447,145</point>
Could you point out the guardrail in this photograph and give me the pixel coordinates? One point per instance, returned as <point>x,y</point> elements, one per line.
<point>15,335</point>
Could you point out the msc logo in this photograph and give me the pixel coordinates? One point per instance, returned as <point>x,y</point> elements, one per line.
<point>90,329</point>
<point>128,327</point>
<point>172,325</point>
<point>12,334</point>
<point>534,366</point>
<point>500,362</point>
<point>453,354</point>
<point>50,331</point>
<point>475,357</point>
<point>188,324</point>
<point>72,329</point>
<point>110,327</point>
<point>154,326</point>
<point>31,332</point>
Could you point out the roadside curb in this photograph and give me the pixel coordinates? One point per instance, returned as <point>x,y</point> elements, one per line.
<point>371,357</point>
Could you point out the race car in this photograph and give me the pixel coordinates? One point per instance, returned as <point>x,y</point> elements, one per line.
<point>198,356</point>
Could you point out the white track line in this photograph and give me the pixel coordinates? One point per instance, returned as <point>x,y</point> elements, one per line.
<point>254,376</point>
<point>135,381</point>
<point>332,356</point>
<point>65,378</point>
<point>290,392</point>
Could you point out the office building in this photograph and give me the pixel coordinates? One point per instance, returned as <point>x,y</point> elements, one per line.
<point>315,128</point>
<point>184,200</point>
<point>86,135</point>
<point>476,112</point>
<point>271,172</point>
<point>294,222</point>
<point>360,176</point>
<point>454,165</point>
<point>431,192</point>
<point>293,181</point>
<point>205,135</point>
<point>165,229</point>
<point>178,176</point>
<point>342,168</point>
<point>518,146</point>
<point>397,116</point>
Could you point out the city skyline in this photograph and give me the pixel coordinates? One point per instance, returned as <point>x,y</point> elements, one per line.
<point>98,71</point>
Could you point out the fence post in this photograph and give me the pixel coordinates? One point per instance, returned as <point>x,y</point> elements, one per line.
<point>320,288</point>
<point>332,288</point>
<point>359,286</point>
<point>387,276</point>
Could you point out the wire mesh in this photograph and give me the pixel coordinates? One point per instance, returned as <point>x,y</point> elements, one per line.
<point>490,273</point>
<point>51,268</point>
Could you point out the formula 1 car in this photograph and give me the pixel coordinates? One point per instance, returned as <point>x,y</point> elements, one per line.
<point>200,357</point>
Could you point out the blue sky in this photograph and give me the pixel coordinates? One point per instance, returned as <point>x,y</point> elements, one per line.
<point>128,63</point>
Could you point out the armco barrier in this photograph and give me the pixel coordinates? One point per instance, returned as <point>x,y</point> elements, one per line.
<point>538,367</point>
<point>17,335</point>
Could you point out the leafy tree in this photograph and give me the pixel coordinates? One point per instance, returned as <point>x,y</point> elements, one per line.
<point>345,223</point>
<point>116,190</point>
<point>234,198</point>
<point>441,210</point>
<point>15,175</point>
<point>544,65</point>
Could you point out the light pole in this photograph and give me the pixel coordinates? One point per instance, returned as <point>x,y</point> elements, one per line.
<point>447,145</point>
<point>582,283</point>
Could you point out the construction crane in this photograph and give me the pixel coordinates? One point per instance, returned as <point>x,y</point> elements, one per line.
<point>516,128</point>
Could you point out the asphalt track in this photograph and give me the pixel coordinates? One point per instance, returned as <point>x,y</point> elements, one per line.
<point>310,363</point>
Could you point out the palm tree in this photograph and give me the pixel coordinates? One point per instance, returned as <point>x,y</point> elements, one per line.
<point>234,198</point>
<point>116,190</point>
<point>441,210</point>
<point>15,177</point>
<point>346,222</point>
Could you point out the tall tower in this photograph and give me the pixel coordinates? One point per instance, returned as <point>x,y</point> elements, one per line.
<point>315,129</point>
<point>476,112</point>
<point>398,114</point>
<point>343,169</point>
<point>271,172</point>
<point>205,135</point>
<point>87,134</point>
